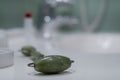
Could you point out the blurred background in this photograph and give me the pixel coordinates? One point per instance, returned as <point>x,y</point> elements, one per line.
<point>12,13</point>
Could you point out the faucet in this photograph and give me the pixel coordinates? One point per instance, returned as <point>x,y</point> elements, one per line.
<point>50,9</point>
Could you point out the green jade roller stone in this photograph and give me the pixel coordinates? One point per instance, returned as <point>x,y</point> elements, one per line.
<point>52,64</point>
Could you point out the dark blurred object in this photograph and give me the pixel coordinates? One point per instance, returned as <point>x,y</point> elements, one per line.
<point>45,10</point>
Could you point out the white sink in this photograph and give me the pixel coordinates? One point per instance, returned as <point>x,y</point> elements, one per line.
<point>88,43</point>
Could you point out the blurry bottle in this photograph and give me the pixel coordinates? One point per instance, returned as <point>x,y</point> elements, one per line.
<point>29,28</point>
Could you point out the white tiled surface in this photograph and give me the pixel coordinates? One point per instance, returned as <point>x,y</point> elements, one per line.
<point>86,66</point>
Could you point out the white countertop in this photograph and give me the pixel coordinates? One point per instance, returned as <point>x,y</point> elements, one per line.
<point>86,66</point>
